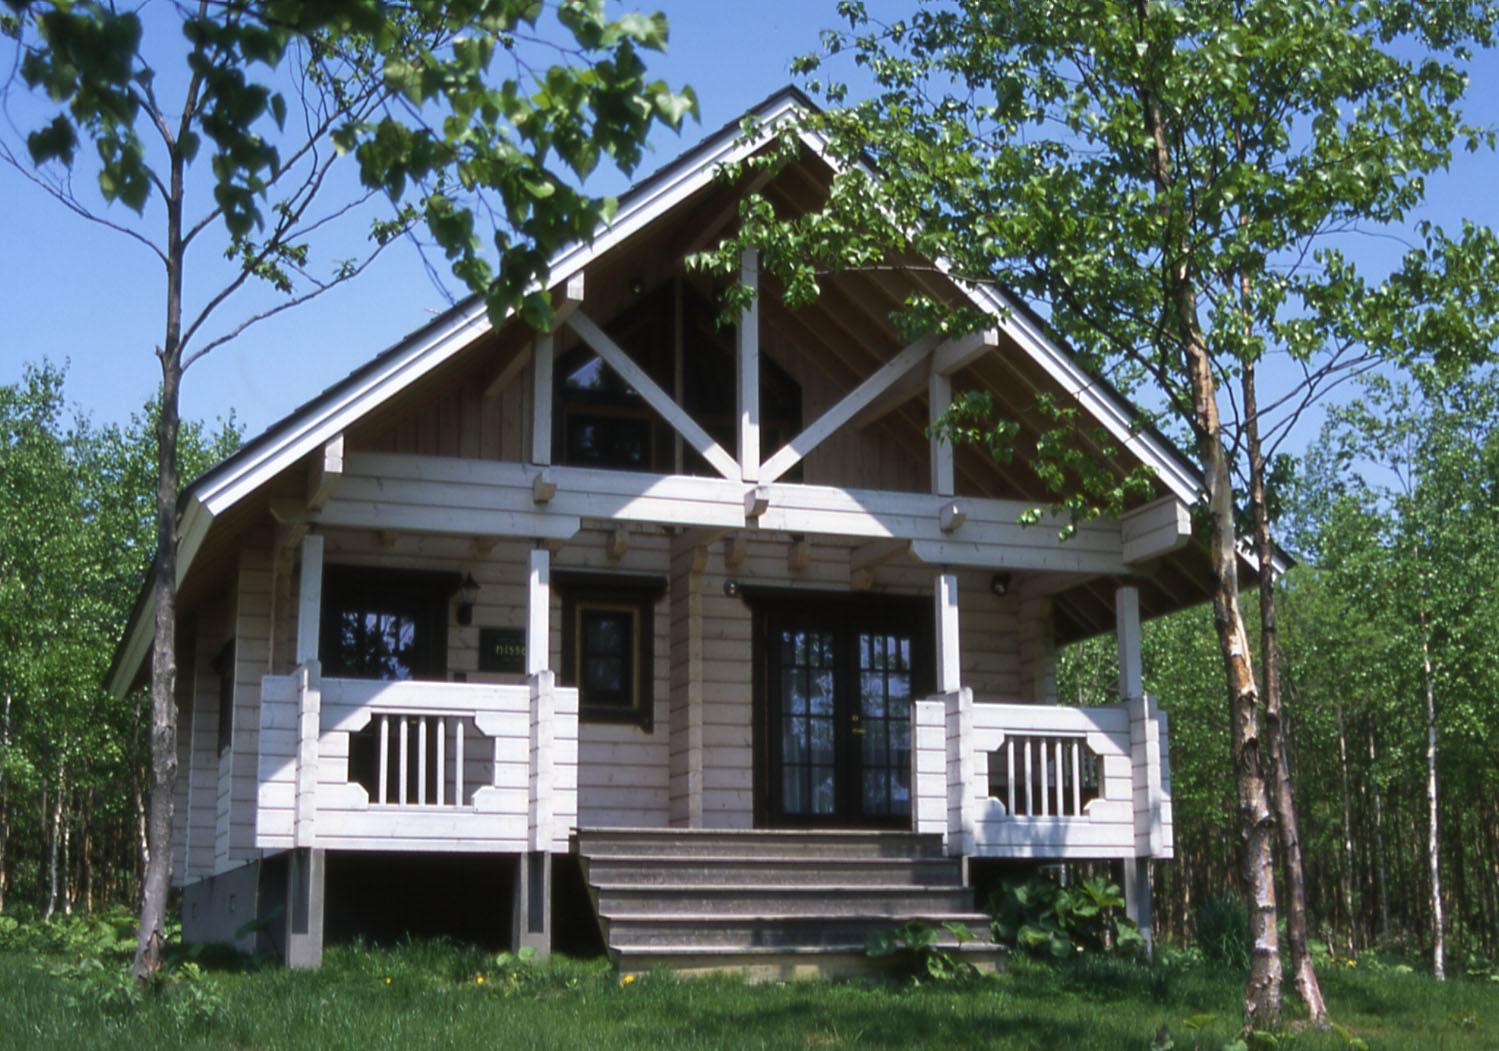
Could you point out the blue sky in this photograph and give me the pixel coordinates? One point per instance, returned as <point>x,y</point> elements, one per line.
<point>72,290</point>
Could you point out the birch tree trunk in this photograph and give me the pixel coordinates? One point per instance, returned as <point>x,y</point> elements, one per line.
<point>1433,854</point>
<point>1348,867</point>
<point>1381,875</point>
<point>1278,766</point>
<point>1262,992</point>
<point>54,842</point>
<point>158,862</point>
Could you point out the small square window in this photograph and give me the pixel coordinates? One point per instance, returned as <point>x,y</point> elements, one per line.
<point>607,645</point>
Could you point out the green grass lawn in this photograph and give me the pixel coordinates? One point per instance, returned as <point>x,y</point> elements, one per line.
<point>432,996</point>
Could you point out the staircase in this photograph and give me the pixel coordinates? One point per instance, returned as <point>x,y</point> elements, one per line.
<point>772,904</point>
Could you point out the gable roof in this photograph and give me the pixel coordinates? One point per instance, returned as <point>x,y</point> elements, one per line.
<point>309,427</point>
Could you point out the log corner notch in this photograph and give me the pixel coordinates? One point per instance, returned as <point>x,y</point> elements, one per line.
<point>1156,529</point>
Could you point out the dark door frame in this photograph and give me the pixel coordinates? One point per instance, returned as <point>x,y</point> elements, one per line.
<point>847,613</point>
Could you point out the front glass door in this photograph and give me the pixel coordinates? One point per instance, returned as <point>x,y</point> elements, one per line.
<point>838,683</point>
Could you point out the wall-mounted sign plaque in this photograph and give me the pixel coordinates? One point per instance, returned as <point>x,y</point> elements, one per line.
<point>502,649</point>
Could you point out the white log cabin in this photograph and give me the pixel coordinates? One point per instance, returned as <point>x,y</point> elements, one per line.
<point>690,630</point>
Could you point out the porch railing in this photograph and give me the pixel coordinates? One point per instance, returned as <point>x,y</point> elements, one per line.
<point>361,765</point>
<point>1037,781</point>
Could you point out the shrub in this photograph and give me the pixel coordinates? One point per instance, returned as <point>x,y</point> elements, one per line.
<point>1047,920</point>
<point>1221,929</point>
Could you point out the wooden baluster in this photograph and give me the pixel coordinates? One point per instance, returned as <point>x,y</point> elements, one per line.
<point>421,760</point>
<point>384,794</point>
<point>1077,778</point>
<point>1010,771</point>
<point>442,749</point>
<point>1061,780</point>
<point>1042,758</point>
<point>459,732</point>
<point>401,774</point>
<point>1030,783</point>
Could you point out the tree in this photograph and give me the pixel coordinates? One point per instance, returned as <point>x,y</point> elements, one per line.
<point>1169,179</point>
<point>1436,526</point>
<point>240,109</point>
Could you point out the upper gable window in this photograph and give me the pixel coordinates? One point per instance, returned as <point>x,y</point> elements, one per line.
<point>601,421</point>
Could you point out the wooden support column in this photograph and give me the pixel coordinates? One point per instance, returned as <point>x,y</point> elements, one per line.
<point>310,599</point>
<point>689,558</point>
<point>541,401</point>
<point>303,935</point>
<point>1127,632</point>
<point>310,691</point>
<point>949,678</point>
<point>538,611</point>
<point>748,340</point>
<point>939,397</point>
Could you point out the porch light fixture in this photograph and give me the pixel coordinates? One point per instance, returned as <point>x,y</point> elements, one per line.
<point>731,588</point>
<point>999,583</point>
<point>468,594</point>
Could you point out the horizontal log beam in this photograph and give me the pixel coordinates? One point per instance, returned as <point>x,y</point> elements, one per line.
<point>432,494</point>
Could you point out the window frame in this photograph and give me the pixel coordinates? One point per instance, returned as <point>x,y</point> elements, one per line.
<point>614,593</point>
<point>423,595</point>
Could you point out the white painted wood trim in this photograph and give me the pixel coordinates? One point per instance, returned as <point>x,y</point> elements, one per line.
<point>847,408</point>
<point>1156,529</point>
<point>310,599</point>
<point>949,664</point>
<point>1127,634</point>
<point>939,399</point>
<point>654,396</point>
<point>538,610</point>
<point>541,400</point>
<point>963,351</point>
<point>747,338</point>
<point>327,469</point>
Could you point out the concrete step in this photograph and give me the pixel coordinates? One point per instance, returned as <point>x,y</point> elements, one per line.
<point>771,903</point>
<point>648,870</point>
<point>757,843</point>
<point>774,963</point>
<point>750,899</point>
<point>705,931</point>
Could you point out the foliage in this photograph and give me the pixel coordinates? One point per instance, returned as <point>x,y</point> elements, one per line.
<point>1220,929</point>
<point>917,944</point>
<point>436,105</point>
<point>75,541</point>
<point>1090,1004</point>
<point>1048,920</point>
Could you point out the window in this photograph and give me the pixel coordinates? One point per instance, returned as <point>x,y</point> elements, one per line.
<point>391,625</point>
<point>385,624</point>
<point>607,644</point>
<point>601,421</point>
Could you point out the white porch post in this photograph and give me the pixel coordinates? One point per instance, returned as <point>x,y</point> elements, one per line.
<point>541,401</point>
<point>1132,693</point>
<point>939,397</point>
<point>303,939</point>
<point>948,654</point>
<point>538,611</point>
<point>748,340</point>
<point>532,915</point>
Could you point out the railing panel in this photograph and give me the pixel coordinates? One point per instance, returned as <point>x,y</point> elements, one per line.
<point>1034,781</point>
<point>424,766</point>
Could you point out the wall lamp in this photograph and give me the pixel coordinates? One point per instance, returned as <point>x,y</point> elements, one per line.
<point>731,588</point>
<point>468,594</point>
<point>999,583</point>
